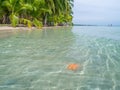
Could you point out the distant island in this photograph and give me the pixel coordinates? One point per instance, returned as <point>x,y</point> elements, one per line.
<point>84,25</point>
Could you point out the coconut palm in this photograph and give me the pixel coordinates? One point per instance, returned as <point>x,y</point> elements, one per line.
<point>35,12</point>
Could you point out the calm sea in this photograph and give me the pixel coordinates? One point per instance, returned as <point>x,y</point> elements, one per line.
<point>38,59</point>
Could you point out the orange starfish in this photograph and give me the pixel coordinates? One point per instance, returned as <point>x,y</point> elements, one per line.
<point>72,66</point>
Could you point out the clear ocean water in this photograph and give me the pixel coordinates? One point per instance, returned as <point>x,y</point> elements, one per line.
<point>38,59</point>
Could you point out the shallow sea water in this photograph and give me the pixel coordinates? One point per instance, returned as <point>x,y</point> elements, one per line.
<point>38,59</point>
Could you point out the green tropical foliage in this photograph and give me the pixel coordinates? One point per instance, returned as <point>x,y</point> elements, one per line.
<point>35,12</point>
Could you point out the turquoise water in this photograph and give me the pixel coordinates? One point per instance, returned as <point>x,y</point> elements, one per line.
<point>38,59</point>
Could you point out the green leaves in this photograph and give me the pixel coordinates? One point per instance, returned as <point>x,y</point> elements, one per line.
<point>32,12</point>
<point>14,20</point>
<point>26,22</point>
<point>26,7</point>
<point>7,5</point>
<point>37,23</point>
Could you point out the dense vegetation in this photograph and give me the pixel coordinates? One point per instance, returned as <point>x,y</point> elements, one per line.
<point>36,12</point>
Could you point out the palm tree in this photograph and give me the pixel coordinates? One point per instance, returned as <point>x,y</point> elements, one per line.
<point>10,6</point>
<point>35,12</point>
<point>1,12</point>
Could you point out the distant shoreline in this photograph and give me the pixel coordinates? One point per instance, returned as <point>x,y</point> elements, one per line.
<point>109,25</point>
<point>8,27</point>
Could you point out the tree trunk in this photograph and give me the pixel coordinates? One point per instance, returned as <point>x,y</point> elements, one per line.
<point>45,20</point>
<point>5,19</point>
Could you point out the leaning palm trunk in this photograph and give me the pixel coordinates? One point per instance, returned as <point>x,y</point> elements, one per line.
<point>5,19</point>
<point>45,20</point>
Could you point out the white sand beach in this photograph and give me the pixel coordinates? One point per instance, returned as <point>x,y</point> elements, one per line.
<point>25,28</point>
<point>15,28</point>
<point>8,28</point>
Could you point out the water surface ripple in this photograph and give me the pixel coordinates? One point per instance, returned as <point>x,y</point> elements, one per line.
<point>38,60</point>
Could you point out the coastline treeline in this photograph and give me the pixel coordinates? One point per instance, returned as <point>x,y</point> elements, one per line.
<point>36,12</point>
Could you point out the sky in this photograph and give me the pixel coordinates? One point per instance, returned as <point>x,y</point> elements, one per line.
<point>98,12</point>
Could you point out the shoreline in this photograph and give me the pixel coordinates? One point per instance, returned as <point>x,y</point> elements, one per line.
<point>15,28</point>
<point>8,28</point>
<point>26,28</point>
